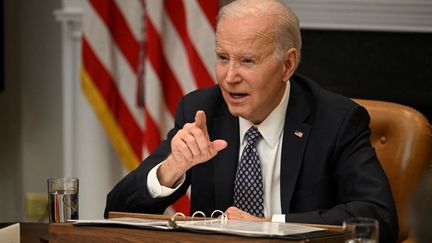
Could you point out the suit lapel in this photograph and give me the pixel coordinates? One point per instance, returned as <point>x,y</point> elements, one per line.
<point>296,133</point>
<point>225,163</point>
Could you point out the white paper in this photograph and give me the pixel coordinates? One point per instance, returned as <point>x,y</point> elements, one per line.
<point>248,228</point>
<point>236,227</point>
<point>10,234</point>
<point>137,222</point>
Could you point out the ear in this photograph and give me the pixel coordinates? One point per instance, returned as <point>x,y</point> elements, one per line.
<point>290,63</point>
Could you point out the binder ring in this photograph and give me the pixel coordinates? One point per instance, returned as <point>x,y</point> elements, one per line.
<point>223,216</point>
<point>198,212</point>
<point>216,211</point>
<point>172,222</point>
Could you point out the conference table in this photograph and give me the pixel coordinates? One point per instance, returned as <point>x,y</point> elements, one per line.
<point>67,232</point>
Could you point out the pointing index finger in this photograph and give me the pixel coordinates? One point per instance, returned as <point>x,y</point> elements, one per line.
<point>200,120</point>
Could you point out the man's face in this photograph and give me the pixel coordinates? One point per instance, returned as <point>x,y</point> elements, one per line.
<point>250,76</point>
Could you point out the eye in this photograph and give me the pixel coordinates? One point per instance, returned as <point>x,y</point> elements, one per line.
<point>248,61</point>
<point>222,57</point>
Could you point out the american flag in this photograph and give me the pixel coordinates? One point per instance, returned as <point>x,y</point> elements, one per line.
<point>138,58</point>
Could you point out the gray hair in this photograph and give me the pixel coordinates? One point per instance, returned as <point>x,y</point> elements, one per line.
<point>287,29</point>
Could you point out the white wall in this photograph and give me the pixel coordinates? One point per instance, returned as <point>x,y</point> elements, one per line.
<point>41,103</point>
<point>30,124</point>
<point>370,15</point>
<point>32,111</point>
<point>10,120</point>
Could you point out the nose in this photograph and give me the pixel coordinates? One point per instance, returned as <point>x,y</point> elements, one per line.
<point>232,75</point>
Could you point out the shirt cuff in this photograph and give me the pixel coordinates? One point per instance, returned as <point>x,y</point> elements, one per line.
<point>156,189</point>
<point>278,218</point>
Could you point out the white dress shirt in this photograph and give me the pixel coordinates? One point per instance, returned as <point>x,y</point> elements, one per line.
<point>269,151</point>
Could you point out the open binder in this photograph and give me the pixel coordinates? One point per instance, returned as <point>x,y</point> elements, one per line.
<point>219,225</point>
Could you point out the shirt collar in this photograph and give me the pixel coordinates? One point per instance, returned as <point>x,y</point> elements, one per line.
<point>271,128</point>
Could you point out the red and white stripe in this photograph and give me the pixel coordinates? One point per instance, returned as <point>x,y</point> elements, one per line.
<point>179,58</point>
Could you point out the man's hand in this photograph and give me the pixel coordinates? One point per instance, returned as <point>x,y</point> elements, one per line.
<point>190,146</point>
<point>236,213</point>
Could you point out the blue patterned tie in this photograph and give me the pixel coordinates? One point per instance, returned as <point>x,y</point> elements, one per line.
<point>248,184</point>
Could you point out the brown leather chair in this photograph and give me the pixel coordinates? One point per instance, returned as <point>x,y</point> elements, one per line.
<point>402,138</point>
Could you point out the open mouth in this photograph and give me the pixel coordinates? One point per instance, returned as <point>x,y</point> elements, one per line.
<point>238,95</point>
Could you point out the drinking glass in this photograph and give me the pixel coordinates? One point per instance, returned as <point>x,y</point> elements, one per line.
<point>63,199</point>
<point>361,230</point>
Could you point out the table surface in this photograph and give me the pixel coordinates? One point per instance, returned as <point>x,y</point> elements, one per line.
<point>67,232</point>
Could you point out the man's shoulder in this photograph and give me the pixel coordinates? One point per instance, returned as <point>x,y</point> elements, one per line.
<point>320,97</point>
<point>327,107</point>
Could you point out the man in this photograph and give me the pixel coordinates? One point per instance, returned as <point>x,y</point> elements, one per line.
<point>312,160</point>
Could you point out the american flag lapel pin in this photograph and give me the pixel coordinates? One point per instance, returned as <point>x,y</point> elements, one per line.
<point>298,133</point>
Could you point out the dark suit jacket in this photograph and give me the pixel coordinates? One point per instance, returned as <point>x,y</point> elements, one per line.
<point>329,174</point>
